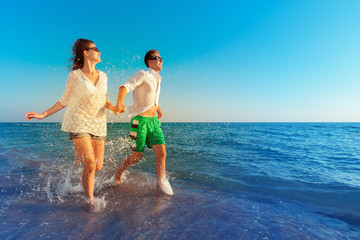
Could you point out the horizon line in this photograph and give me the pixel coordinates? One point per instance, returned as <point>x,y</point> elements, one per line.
<point>205,122</point>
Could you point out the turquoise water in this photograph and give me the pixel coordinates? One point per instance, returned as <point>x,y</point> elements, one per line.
<point>231,181</point>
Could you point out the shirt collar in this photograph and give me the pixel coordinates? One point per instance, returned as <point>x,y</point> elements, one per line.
<point>154,73</point>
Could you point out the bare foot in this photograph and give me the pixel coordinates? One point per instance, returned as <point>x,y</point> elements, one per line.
<point>91,205</point>
<point>96,205</point>
<point>118,176</point>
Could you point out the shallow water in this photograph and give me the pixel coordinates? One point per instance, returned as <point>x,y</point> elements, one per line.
<point>231,181</point>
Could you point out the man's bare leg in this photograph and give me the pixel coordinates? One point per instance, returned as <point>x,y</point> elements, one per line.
<point>162,183</point>
<point>129,160</point>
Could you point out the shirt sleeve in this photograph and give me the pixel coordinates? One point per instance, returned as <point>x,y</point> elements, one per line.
<point>69,89</point>
<point>134,81</point>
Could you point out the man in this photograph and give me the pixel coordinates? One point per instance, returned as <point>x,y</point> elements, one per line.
<point>145,126</point>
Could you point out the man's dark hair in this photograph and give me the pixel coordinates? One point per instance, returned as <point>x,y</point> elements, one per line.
<point>149,55</point>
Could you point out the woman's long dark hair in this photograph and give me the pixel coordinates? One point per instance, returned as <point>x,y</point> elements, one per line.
<point>77,54</point>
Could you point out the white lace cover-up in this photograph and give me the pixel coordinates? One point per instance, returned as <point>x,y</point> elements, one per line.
<point>85,104</point>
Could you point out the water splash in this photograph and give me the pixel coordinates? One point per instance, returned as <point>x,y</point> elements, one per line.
<point>99,205</point>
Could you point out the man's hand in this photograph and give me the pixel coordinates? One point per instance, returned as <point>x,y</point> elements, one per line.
<point>119,109</point>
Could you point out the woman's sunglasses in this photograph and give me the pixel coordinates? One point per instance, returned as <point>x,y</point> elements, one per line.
<point>94,48</point>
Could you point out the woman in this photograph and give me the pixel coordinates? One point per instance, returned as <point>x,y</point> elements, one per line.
<point>86,98</point>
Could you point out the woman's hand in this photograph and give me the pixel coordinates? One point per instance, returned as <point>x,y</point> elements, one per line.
<point>57,107</point>
<point>111,108</point>
<point>30,115</point>
<point>119,109</point>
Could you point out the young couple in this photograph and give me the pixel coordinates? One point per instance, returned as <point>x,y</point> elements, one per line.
<point>86,98</point>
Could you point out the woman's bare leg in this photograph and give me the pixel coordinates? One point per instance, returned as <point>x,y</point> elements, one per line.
<point>78,159</point>
<point>99,148</point>
<point>85,150</point>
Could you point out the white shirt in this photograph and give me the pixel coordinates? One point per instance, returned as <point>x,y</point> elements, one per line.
<point>146,87</point>
<point>85,104</point>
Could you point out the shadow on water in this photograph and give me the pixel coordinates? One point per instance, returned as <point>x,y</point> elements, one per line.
<point>350,219</point>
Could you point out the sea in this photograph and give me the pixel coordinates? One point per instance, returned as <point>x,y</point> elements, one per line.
<point>231,181</point>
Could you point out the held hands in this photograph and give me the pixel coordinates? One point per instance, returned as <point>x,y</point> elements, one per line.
<point>30,115</point>
<point>111,108</point>
<point>115,109</point>
<point>119,109</point>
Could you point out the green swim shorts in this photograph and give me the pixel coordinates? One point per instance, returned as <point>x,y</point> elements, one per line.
<point>145,130</point>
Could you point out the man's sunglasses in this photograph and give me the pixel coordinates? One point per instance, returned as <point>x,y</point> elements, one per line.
<point>157,57</point>
<point>94,48</point>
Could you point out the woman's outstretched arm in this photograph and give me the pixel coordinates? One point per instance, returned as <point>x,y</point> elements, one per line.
<point>57,107</point>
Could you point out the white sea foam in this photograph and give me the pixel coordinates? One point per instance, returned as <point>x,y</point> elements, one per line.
<point>99,205</point>
<point>165,187</point>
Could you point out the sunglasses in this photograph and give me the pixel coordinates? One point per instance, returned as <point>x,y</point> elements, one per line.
<point>94,48</point>
<point>157,57</point>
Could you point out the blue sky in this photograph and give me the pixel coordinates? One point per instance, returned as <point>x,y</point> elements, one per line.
<point>238,61</point>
